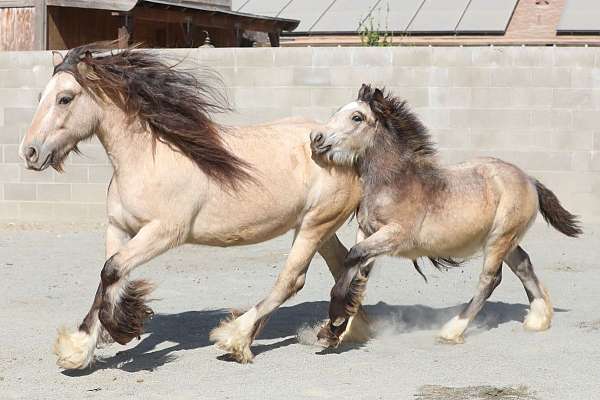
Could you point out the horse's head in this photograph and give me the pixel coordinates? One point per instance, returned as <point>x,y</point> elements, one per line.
<point>350,132</point>
<point>66,114</point>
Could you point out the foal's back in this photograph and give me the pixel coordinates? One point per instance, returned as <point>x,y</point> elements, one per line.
<point>479,196</point>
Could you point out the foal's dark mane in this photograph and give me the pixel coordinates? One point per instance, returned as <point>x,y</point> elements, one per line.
<point>173,104</point>
<point>402,145</point>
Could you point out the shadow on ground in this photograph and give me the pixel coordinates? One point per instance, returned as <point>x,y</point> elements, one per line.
<point>190,329</point>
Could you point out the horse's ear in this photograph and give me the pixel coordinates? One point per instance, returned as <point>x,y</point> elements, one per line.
<point>378,95</point>
<point>364,92</point>
<point>57,58</point>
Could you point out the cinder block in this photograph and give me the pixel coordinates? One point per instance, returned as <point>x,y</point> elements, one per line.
<point>96,212</point>
<point>435,118</point>
<point>450,139</point>
<point>450,97</point>
<point>586,120</point>
<point>492,56</point>
<point>261,76</point>
<point>550,77</point>
<point>354,77</point>
<point>9,173</point>
<point>254,57</point>
<point>100,174</point>
<point>551,119</point>
<point>532,56</point>
<point>331,97</point>
<point>19,97</point>
<point>36,211</point>
<point>499,97</point>
<point>311,76</point>
<point>30,176</point>
<point>597,140</point>
<point>572,140</point>
<point>574,56</point>
<point>9,211</point>
<point>511,77</point>
<point>470,76</point>
<point>415,97</point>
<point>11,134</point>
<point>16,78</point>
<point>221,57</point>
<point>256,115</point>
<point>53,192</point>
<point>248,97</point>
<point>19,191</point>
<point>11,153</point>
<point>24,59</point>
<point>452,56</point>
<point>70,211</point>
<point>572,98</point>
<point>331,56</point>
<point>412,56</point>
<point>531,97</point>
<point>586,78</point>
<point>89,192</point>
<point>293,56</point>
<point>371,56</point>
<point>18,116</point>
<point>594,164</point>
<point>581,161</point>
<point>74,174</point>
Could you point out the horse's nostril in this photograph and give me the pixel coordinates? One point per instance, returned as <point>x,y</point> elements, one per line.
<point>31,154</point>
<point>318,138</point>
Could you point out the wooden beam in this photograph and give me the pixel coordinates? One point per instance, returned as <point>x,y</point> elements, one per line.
<point>274,39</point>
<point>205,19</point>
<point>40,27</point>
<point>17,3</point>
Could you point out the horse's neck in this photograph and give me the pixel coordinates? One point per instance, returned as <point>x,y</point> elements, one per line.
<point>124,141</point>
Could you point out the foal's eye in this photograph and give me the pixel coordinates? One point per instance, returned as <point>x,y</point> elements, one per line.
<point>357,118</point>
<point>64,100</point>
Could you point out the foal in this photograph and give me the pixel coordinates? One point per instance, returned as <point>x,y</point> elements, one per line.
<point>412,207</point>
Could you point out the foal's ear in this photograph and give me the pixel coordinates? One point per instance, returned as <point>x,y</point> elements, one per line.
<point>364,92</point>
<point>57,58</point>
<point>378,95</point>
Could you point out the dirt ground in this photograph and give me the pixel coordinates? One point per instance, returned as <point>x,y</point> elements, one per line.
<point>49,275</point>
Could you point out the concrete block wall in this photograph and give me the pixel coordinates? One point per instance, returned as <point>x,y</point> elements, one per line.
<point>538,107</point>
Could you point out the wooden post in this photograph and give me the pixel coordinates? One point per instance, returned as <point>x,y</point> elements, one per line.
<point>39,35</point>
<point>274,38</point>
<point>125,32</point>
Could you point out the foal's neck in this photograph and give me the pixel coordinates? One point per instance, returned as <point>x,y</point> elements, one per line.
<point>388,164</point>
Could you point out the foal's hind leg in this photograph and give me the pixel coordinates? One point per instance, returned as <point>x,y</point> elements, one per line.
<point>540,312</point>
<point>489,279</point>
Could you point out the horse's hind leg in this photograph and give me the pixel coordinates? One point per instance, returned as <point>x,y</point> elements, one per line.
<point>334,253</point>
<point>540,312</point>
<point>236,335</point>
<point>489,279</point>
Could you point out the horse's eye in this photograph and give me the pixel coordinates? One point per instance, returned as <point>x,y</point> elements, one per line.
<point>357,118</point>
<point>64,100</point>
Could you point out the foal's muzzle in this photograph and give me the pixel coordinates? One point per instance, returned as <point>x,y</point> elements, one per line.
<point>317,143</point>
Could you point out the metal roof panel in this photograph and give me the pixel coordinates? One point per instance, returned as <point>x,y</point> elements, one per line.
<point>437,16</point>
<point>487,16</point>
<point>580,16</point>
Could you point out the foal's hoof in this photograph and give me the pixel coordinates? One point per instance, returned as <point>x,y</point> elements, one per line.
<point>452,331</point>
<point>327,338</point>
<point>539,316</point>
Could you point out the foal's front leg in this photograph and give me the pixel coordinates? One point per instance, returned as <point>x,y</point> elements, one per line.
<point>75,350</point>
<point>348,292</point>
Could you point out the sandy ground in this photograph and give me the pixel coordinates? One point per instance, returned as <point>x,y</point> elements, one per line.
<point>49,275</point>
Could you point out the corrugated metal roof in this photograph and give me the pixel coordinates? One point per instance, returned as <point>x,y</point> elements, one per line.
<point>398,16</point>
<point>487,16</point>
<point>580,16</point>
<point>438,16</point>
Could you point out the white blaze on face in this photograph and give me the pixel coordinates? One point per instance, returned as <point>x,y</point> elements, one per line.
<point>50,87</point>
<point>350,106</point>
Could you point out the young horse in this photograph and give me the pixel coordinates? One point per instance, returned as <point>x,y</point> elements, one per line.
<point>181,178</point>
<point>412,208</point>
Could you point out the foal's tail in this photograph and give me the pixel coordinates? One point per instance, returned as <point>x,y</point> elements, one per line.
<point>550,208</point>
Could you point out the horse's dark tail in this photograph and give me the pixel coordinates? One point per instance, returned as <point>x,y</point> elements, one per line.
<point>552,211</point>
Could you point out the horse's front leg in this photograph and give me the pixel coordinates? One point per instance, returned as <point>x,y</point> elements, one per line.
<point>236,335</point>
<point>75,350</point>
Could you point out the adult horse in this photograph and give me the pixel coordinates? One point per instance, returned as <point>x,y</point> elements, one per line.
<point>179,177</point>
<point>412,207</point>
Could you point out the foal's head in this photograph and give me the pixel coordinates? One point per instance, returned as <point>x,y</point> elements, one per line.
<point>375,122</point>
